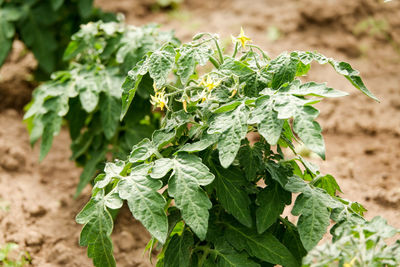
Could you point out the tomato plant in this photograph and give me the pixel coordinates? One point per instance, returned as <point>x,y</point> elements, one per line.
<point>208,194</point>
<point>44,26</point>
<point>88,94</point>
<point>362,244</point>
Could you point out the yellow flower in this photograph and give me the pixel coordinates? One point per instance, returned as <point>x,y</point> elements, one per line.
<point>184,105</point>
<point>242,38</point>
<point>351,263</point>
<point>203,96</point>
<point>233,93</point>
<point>159,100</point>
<point>210,84</point>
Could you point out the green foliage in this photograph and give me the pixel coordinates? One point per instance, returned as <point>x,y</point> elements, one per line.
<point>206,193</point>
<point>4,205</point>
<point>362,244</point>
<point>168,3</point>
<point>376,28</point>
<point>18,260</point>
<point>88,94</point>
<point>44,26</point>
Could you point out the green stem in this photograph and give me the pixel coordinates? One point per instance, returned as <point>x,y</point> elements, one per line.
<point>172,94</point>
<point>255,58</point>
<point>158,155</point>
<point>214,62</point>
<point>261,51</point>
<point>172,88</point>
<point>192,81</point>
<point>235,51</point>
<point>221,57</point>
<point>204,41</point>
<point>284,221</point>
<point>206,250</point>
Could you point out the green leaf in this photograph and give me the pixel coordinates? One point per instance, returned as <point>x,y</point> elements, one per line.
<point>307,57</point>
<point>251,158</point>
<point>291,239</point>
<point>309,130</point>
<point>98,225</point>
<point>342,68</point>
<point>271,202</point>
<point>288,105</point>
<point>162,137</point>
<point>40,40</point>
<point>111,170</point>
<point>278,172</point>
<point>81,145</point>
<point>328,183</point>
<point>85,7</point>
<point>302,69</point>
<point>142,151</point>
<point>52,125</point>
<point>236,67</point>
<point>35,128</point>
<point>228,107</point>
<point>7,31</point>
<point>352,75</point>
<point>229,257</point>
<point>161,167</point>
<point>206,141</point>
<point>232,127</point>
<point>131,85</point>
<point>284,68</point>
<point>229,184</point>
<point>90,169</point>
<point>313,207</point>
<point>189,173</point>
<point>145,203</point>
<point>264,246</point>
<point>189,57</point>
<point>73,49</point>
<point>160,65</point>
<point>179,250</point>
<point>269,126</point>
<point>110,110</point>
<point>89,93</point>
<point>56,4</point>
<point>314,89</point>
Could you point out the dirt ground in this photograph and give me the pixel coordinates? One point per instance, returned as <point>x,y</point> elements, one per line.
<point>363,137</point>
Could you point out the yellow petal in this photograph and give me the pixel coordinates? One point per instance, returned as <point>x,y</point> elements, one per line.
<point>242,38</point>
<point>201,82</point>
<point>185,106</point>
<point>241,31</point>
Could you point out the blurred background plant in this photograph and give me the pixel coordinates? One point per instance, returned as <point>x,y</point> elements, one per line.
<point>169,3</point>
<point>356,245</point>
<point>45,27</point>
<point>10,256</point>
<point>4,205</point>
<point>87,95</point>
<point>377,28</point>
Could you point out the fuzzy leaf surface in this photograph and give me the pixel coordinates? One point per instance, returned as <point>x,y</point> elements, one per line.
<point>230,193</point>
<point>145,203</point>
<point>232,127</point>
<point>271,202</point>
<point>184,185</point>
<point>98,225</point>
<point>178,250</point>
<point>265,246</point>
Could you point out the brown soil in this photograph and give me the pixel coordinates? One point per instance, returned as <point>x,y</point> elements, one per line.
<point>362,136</point>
